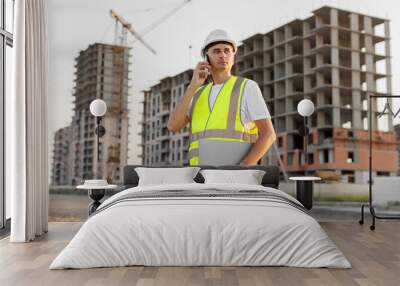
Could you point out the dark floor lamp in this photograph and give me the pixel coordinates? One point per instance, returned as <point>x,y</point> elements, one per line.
<point>370,181</point>
<point>305,108</point>
<point>98,108</point>
<point>304,184</point>
<point>97,187</point>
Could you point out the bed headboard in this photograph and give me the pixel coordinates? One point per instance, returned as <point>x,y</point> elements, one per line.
<point>270,179</point>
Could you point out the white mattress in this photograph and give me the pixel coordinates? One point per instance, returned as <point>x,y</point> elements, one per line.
<point>200,231</point>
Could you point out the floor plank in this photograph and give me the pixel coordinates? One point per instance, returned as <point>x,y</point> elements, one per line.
<point>374,255</point>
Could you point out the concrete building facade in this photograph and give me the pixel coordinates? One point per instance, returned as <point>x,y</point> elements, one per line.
<point>60,159</point>
<point>102,71</point>
<point>160,147</point>
<point>332,58</point>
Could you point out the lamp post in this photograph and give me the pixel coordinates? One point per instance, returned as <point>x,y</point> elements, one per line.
<point>98,108</point>
<point>305,108</point>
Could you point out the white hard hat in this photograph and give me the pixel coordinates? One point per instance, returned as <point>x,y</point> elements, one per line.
<point>218,36</point>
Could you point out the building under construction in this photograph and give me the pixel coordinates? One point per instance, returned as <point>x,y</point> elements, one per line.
<point>333,58</point>
<point>101,72</point>
<point>60,158</point>
<point>160,147</point>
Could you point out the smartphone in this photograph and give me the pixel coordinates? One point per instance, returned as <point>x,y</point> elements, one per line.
<point>207,72</point>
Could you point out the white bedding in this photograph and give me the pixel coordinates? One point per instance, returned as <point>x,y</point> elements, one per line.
<point>200,231</point>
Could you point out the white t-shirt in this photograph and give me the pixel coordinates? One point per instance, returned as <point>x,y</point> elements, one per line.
<point>253,106</point>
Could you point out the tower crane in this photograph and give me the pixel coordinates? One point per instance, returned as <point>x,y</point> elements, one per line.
<point>152,26</point>
<point>126,26</point>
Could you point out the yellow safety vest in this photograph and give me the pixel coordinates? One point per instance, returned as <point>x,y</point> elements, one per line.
<point>223,121</point>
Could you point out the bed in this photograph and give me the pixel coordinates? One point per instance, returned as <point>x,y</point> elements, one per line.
<point>201,224</point>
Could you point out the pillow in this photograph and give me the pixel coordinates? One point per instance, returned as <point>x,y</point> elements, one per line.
<point>250,177</point>
<point>162,176</point>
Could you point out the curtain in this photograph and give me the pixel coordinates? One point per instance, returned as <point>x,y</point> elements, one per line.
<point>26,119</point>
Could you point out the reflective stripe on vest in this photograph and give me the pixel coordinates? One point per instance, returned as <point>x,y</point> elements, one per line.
<point>223,121</point>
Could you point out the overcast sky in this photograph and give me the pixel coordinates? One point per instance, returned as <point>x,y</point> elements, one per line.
<point>75,24</point>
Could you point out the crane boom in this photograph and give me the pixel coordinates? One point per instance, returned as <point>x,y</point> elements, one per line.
<point>165,17</point>
<point>128,27</point>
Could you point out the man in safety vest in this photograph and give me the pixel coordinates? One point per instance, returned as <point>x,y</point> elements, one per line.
<point>230,122</point>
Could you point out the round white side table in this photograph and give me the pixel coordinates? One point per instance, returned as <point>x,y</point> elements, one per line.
<point>304,189</point>
<point>96,193</point>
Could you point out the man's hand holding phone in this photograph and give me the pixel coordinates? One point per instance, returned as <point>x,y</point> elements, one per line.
<point>200,73</point>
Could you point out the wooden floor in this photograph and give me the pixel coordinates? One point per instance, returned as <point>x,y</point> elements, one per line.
<point>374,255</point>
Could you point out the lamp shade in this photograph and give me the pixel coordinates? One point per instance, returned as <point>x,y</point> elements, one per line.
<point>305,107</point>
<point>98,107</point>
